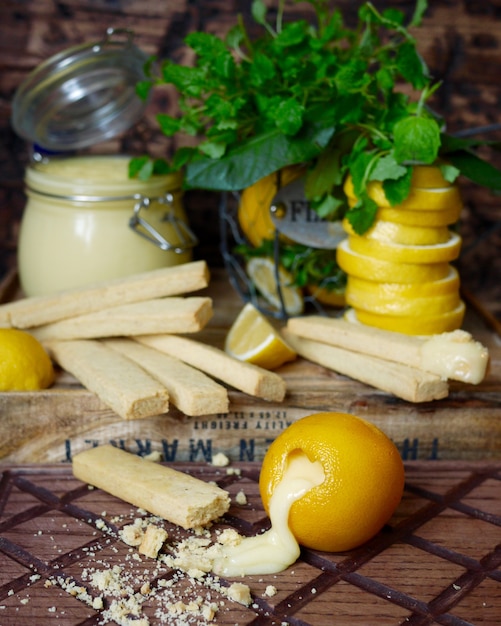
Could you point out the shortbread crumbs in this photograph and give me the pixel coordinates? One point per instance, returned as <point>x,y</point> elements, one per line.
<point>220,460</point>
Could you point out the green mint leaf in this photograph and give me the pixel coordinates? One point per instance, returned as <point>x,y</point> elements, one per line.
<point>136,164</point>
<point>292,34</point>
<point>476,169</point>
<point>419,11</point>
<point>394,16</point>
<point>329,207</point>
<point>257,157</point>
<point>397,190</point>
<point>362,215</point>
<point>143,89</point>
<point>416,139</point>
<point>212,149</point>
<point>289,116</point>
<point>386,167</point>
<point>169,125</point>
<point>235,36</point>
<point>262,70</point>
<point>411,66</point>
<point>259,10</point>
<point>449,172</point>
<point>161,167</point>
<point>206,45</point>
<point>183,156</point>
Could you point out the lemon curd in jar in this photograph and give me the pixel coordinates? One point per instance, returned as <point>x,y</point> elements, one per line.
<point>75,228</point>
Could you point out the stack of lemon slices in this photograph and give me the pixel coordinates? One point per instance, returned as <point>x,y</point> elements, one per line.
<point>400,276</point>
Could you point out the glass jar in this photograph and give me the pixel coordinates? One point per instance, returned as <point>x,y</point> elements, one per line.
<point>85,220</point>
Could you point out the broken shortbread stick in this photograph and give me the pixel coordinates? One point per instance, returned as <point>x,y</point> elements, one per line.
<point>175,496</point>
<point>191,391</point>
<point>246,377</point>
<point>121,384</point>
<point>402,381</point>
<point>455,355</point>
<point>165,315</point>
<point>153,540</point>
<point>168,281</point>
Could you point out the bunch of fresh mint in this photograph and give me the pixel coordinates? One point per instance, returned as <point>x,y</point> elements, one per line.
<point>334,97</point>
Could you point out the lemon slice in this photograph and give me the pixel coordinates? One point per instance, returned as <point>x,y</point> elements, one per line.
<point>253,339</point>
<point>371,288</point>
<point>428,177</point>
<point>412,325</point>
<point>429,219</point>
<point>363,266</point>
<point>419,199</point>
<point>402,306</point>
<point>402,233</point>
<point>263,273</point>
<point>399,253</point>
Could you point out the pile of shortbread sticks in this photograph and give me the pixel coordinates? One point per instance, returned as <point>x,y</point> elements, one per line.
<point>125,340</point>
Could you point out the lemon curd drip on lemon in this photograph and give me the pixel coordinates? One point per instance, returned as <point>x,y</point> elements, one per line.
<point>399,273</point>
<point>277,548</point>
<point>330,481</point>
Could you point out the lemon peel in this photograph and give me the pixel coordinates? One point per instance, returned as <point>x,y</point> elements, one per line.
<point>253,339</point>
<point>263,273</point>
<point>24,364</point>
<point>363,266</point>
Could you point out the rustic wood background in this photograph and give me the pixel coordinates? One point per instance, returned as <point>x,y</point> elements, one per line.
<point>460,40</point>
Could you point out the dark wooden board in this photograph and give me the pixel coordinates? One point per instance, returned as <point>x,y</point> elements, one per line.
<point>438,560</point>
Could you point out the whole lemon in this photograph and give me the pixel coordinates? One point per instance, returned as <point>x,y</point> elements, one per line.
<point>24,364</point>
<point>364,480</point>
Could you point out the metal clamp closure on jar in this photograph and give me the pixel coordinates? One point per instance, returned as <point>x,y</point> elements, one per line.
<point>186,237</point>
<point>142,227</point>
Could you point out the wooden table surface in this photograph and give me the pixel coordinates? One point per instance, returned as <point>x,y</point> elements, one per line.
<point>438,560</point>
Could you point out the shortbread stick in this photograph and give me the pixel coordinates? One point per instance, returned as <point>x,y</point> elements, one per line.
<point>164,315</point>
<point>243,376</point>
<point>168,281</point>
<point>453,355</point>
<point>400,380</point>
<point>191,391</point>
<point>120,383</point>
<point>175,496</point>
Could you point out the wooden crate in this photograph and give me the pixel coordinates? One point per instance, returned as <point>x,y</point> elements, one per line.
<point>50,426</point>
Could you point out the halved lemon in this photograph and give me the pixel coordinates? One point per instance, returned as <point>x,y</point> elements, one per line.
<point>412,325</point>
<point>255,202</point>
<point>428,219</point>
<point>403,234</point>
<point>253,339</point>
<point>399,253</point>
<point>363,266</point>
<point>264,274</point>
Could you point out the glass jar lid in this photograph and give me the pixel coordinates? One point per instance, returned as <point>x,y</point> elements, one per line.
<point>83,95</point>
